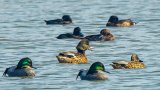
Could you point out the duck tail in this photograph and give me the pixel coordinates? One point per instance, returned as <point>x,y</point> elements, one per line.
<point>5,72</point>
<point>78,75</point>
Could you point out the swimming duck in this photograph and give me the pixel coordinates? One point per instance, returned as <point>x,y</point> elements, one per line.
<point>23,69</point>
<point>134,63</point>
<point>105,35</point>
<point>78,57</point>
<point>76,34</point>
<point>95,72</point>
<point>66,19</point>
<point>113,21</point>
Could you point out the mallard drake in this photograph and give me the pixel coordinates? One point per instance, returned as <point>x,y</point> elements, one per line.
<point>105,35</point>
<point>23,69</point>
<point>76,34</point>
<point>95,72</point>
<point>66,19</point>
<point>78,57</point>
<point>134,63</point>
<point>113,21</point>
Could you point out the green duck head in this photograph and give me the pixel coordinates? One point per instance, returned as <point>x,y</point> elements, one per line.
<point>95,67</point>
<point>83,45</point>
<point>24,62</point>
<point>135,57</point>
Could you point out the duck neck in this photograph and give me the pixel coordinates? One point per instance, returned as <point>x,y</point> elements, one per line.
<point>80,51</point>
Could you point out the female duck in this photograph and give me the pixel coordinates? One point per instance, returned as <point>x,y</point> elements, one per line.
<point>105,35</point>
<point>76,34</point>
<point>113,21</point>
<point>95,72</point>
<point>24,68</point>
<point>66,19</point>
<point>78,57</point>
<point>134,63</point>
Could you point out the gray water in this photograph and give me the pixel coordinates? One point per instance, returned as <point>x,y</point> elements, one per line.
<point>23,33</point>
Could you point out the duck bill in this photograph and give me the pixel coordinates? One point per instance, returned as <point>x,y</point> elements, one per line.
<point>34,67</point>
<point>91,48</point>
<point>107,72</point>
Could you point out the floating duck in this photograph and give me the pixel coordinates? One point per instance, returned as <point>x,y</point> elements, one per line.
<point>95,72</point>
<point>78,57</point>
<point>113,21</point>
<point>105,35</point>
<point>76,34</point>
<point>23,69</point>
<point>66,19</point>
<point>134,63</point>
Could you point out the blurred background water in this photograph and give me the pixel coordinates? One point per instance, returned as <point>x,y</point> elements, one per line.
<point>23,33</point>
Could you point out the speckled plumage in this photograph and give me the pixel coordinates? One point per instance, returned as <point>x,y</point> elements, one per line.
<point>78,57</point>
<point>134,63</point>
<point>72,57</point>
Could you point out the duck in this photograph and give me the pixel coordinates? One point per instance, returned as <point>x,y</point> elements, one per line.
<point>96,72</point>
<point>134,63</point>
<point>77,34</point>
<point>105,35</point>
<point>22,69</point>
<point>115,22</point>
<point>78,57</point>
<point>66,19</point>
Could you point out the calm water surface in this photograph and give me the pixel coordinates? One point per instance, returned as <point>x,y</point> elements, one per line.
<point>24,33</point>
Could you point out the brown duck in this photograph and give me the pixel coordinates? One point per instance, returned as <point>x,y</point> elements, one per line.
<point>134,63</point>
<point>78,57</point>
<point>115,22</point>
<point>105,35</point>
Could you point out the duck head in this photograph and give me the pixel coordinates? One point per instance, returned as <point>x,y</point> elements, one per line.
<point>83,45</point>
<point>77,32</point>
<point>67,18</point>
<point>135,57</point>
<point>24,62</point>
<point>105,32</point>
<point>113,19</point>
<point>95,67</point>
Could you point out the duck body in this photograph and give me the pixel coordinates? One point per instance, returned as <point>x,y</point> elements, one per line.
<point>64,36</point>
<point>78,57</point>
<point>13,72</point>
<point>105,35</point>
<point>99,75</point>
<point>100,37</point>
<point>76,34</point>
<point>22,69</point>
<point>94,37</point>
<point>121,64</point>
<point>134,63</point>
<point>56,21</point>
<point>66,19</point>
<point>72,57</point>
<point>95,72</point>
<point>113,21</point>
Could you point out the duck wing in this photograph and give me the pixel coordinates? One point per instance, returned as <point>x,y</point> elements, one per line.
<point>63,36</point>
<point>56,21</point>
<point>94,37</point>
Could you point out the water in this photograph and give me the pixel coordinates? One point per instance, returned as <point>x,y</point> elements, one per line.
<point>24,33</point>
